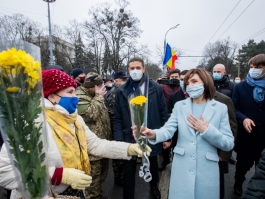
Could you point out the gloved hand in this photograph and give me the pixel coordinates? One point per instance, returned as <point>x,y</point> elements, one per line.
<point>76,178</point>
<point>134,149</point>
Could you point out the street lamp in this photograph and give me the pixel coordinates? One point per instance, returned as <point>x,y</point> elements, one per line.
<point>166,36</point>
<point>50,31</point>
<point>166,41</point>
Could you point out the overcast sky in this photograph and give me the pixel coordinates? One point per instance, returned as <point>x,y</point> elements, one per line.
<point>198,19</point>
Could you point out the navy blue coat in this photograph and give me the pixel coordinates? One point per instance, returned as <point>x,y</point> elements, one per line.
<point>157,114</point>
<point>248,144</point>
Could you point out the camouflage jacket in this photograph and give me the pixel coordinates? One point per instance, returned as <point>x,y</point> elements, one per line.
<point>110,101</point>
<point>95,114</point>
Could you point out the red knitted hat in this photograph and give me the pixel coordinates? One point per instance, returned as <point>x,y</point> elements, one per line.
<point>55,80</point>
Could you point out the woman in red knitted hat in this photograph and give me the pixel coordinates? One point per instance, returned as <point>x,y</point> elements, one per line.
<point>70,140</point>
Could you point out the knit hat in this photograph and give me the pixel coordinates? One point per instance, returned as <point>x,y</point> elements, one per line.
<point>55,80</point>
<point>76,72</point>
<point>92,79</point>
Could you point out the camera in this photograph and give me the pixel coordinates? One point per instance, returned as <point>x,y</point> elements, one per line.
<point>169,81</point>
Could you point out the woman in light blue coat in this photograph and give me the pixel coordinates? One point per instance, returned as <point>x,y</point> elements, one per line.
<point>203,126</point>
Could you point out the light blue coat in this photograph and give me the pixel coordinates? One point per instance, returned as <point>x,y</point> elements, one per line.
<point>195,172</point>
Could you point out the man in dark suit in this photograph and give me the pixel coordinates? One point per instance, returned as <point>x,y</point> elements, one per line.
<point>224,156</point>
<point>248,99</point>
<point>223,85</point>
<point>122,124</point>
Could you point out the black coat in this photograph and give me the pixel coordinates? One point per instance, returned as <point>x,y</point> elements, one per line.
<point>249,144</point>
<point>157,114</point>
<point>224,86</point>
<point>256,185</point>
<point>226,155</point>
<point>173,98</point>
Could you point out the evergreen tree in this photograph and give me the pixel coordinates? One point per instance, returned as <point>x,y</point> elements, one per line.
<point>80,60</point>
<point>248,51</point>
<point>106,66</point>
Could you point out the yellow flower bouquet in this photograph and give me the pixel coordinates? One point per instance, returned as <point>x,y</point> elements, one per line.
<point>139,109</point>
<point>20,91</point>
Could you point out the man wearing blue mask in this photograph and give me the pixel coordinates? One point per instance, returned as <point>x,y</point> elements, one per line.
<point>222,82</point>
<point>120,78</point>
<point>223,85</point>
<point>248,98</point>
<point>108,84</point>
<point>156,117</point>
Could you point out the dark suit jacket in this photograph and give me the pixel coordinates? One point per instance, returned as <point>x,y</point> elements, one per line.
<point>249,144</point>
<point>157,114</point>
<point>173,98</point>
<point>233,125</point>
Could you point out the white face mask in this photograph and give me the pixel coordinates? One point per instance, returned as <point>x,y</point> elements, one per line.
<point>256,73</point>
<point>237,81</point>
<point>136,75</point>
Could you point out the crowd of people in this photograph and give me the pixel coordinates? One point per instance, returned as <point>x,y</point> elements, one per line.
<point>195,119</point>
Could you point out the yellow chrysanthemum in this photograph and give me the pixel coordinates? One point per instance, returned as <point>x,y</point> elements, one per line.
<point>13,61</point>
<point>12,89</point>
<point>139,100</point>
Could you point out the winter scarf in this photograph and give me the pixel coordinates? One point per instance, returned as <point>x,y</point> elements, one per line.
<point>72,145</point>
<point>259,88</point>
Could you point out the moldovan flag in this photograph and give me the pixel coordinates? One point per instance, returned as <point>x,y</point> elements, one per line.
<point>170,58</point>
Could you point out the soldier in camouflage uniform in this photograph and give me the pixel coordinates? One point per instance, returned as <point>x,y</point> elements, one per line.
<point>95,114</point>
<point>119,79</point>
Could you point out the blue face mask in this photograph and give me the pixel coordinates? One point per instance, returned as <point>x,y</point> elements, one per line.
<point>217,76</point>
<point>181,84</point>
<point>69,103</point>
<point>110,85</point>
<point>195,91</point>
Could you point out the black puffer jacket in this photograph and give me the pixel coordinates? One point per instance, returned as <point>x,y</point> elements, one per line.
<point>224,86</point>
<point>256,185</point>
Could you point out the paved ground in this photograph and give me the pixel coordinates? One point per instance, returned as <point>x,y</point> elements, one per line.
<point>142,189</point>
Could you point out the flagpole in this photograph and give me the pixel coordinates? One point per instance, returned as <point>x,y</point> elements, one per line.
<point>165,42</point>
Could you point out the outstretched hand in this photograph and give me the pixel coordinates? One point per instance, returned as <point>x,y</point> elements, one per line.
<point>149,133</point>
<point>134,149</point>
<point>198,125</point>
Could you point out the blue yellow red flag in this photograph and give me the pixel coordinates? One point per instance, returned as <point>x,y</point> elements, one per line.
<point>170,58</point>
